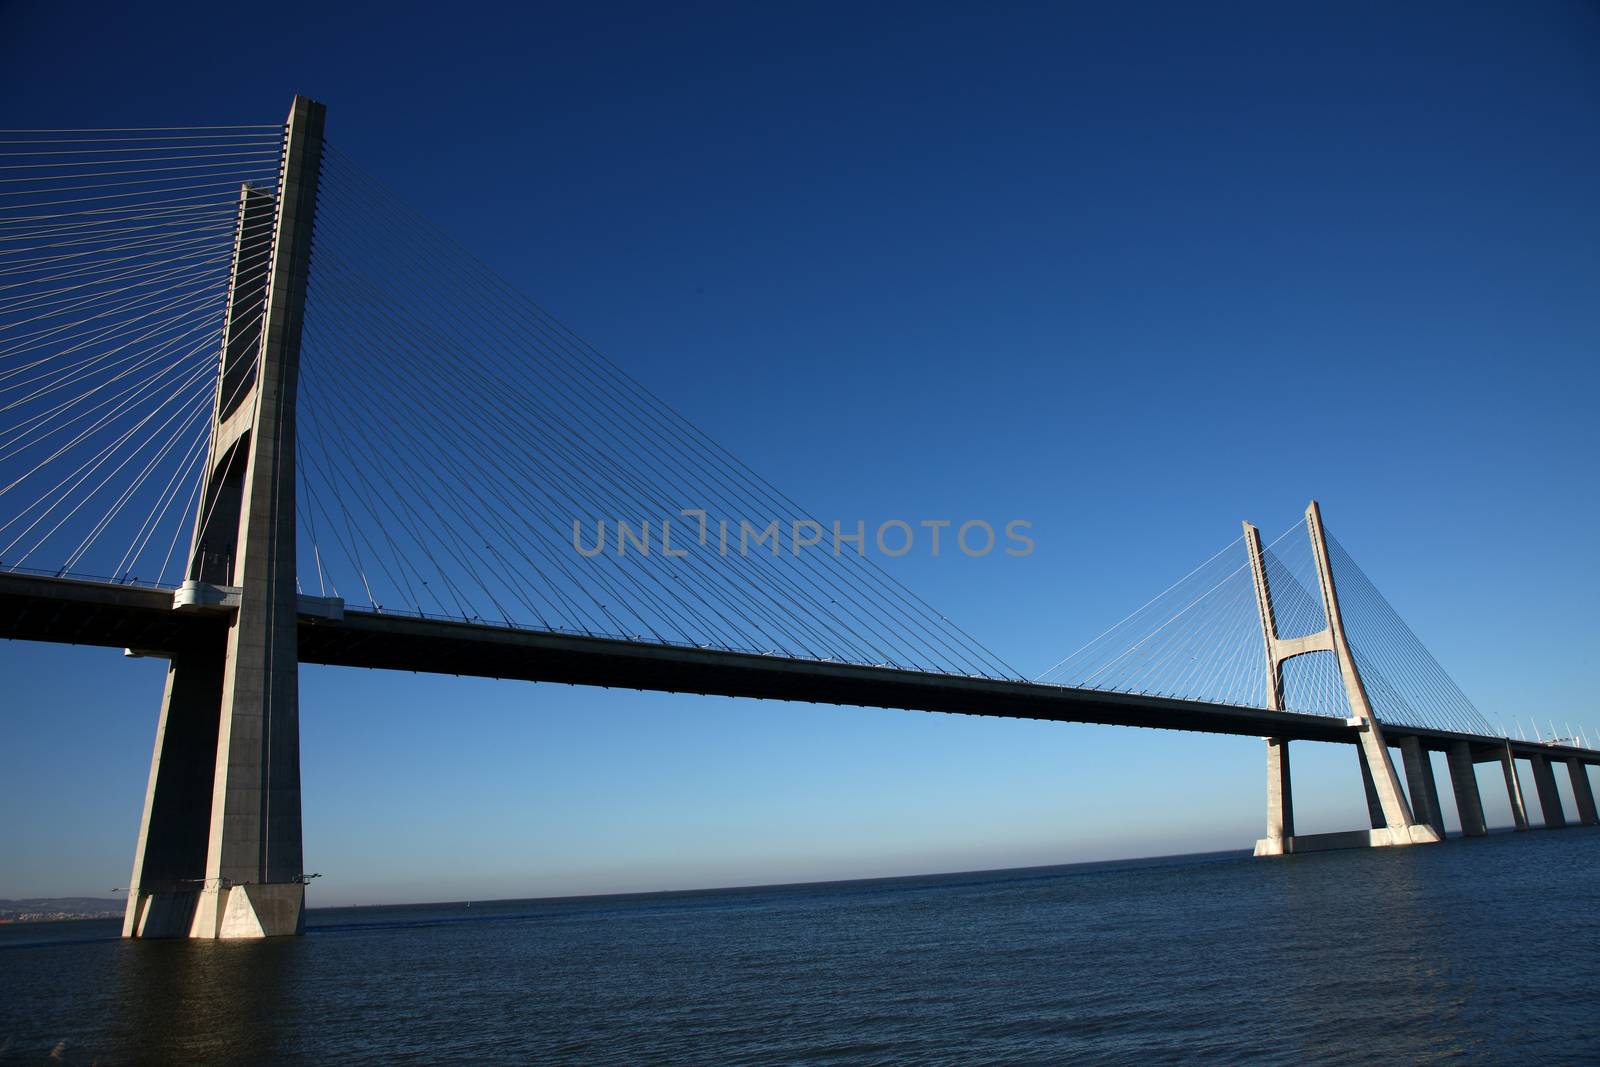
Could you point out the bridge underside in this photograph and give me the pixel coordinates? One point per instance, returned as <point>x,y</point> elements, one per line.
<point>70,611</point>
<point>89,613</point>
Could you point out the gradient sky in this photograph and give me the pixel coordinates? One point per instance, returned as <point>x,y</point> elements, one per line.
<point>1132,272</point>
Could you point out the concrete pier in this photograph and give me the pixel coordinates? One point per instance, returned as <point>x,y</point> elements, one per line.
<point>1464,781</point>
<point>1421,784</point>
<point>1374,803</point>
<point>1280,800</point>
<point>1544,780</point>
<point>1519,805</point>
<point>1582,792</point>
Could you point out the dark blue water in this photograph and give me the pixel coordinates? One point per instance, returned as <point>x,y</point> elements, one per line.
<point>1473,951</point>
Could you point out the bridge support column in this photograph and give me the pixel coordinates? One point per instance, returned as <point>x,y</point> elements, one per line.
<point>1280,801</point>
<point>1582,793</point>
<point>170,859</point>
<point>1422,785</point>
<point>1464,780</point>
<point>1375,814</point>
<point>1519,806</point>
<point>1549,798</point>
<point>219,853</point>
<point>1392,821</point>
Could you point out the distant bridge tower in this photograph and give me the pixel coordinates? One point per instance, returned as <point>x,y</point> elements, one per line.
<point>1392,819</point>
<point>219,845</point>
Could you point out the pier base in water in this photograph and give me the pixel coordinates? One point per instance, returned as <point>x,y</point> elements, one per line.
<point>251,911</point>
<point>1384,837</point>
<point>235,913</point>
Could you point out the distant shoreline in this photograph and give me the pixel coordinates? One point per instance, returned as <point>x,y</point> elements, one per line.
<point>32,910</point>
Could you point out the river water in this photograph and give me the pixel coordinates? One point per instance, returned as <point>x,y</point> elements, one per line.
<point>1472,951</point>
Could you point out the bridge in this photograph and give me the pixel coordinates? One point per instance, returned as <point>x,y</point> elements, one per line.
<point>386,457</point>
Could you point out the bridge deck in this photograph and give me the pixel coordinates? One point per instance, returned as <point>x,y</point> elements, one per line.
<point>92,613</point>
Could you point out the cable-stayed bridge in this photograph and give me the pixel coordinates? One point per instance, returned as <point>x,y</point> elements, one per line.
<point>255,411</point>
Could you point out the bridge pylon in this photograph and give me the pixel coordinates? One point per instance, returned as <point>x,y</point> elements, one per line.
<point>1392,820</point>
<point>219,851</point>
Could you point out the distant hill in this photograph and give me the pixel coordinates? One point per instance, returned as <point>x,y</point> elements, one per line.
<point>48,909</point>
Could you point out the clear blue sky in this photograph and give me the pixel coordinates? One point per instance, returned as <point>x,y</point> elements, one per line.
<point>1132,272</point>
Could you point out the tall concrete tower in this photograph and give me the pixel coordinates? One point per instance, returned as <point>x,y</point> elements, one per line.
<point>219,845</point>
<point>1391,816</point>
